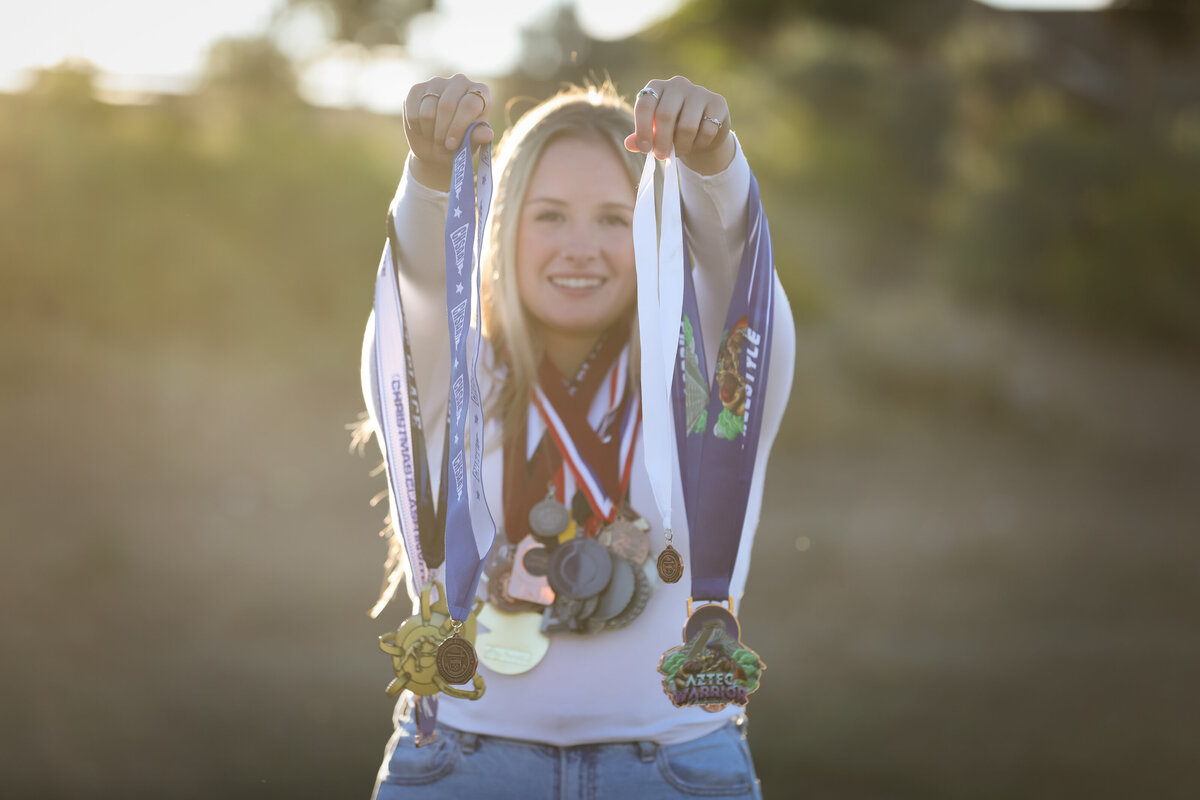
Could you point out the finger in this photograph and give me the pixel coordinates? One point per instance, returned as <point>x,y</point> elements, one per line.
<point>643,115</point>
<point>481,135</point>
<point>412,106</point>
<point>472,108</point>
<point>714,126</point>
<point>687,125</point>
<point>427,109</point>
<point>452,95</point>
<point>666,118</point>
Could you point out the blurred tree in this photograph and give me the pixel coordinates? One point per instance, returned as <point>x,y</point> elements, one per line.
<point>250,71</point>
<point>71,82</point>
<point>1171,24</point>
<point>368,22</point>
<point>912,24</point>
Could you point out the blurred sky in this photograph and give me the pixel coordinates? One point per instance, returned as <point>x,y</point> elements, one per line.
<point>159,45</point>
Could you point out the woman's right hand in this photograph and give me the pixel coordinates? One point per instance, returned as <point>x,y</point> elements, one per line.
<point>437,114</point>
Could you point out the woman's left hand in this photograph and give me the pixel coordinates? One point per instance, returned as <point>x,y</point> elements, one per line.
<point>677,114</point>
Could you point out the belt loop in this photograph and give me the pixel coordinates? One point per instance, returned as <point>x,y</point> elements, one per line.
<point>468,742</point>
<point>647,751</point>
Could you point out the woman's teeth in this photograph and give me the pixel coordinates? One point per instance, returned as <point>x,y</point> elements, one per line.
<point>576,283</point>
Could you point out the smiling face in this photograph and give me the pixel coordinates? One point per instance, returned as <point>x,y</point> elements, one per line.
<point>574,254</point>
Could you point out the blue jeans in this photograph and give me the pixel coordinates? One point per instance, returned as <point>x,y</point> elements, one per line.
<point>466,765</point>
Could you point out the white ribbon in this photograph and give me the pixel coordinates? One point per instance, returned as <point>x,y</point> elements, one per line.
<point>395,415</point>
<point>659,259</point>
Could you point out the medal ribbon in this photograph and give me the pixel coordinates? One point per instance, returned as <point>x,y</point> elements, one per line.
<point>717,449</point>
<point>429,536</point>
<point>599,465</point>
<point>659,263</point>
<point>469,524</point>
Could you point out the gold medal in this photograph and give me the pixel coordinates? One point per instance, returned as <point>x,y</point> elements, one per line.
<point>510,644</point>
<point>712,668</point>
<point>416,645</point>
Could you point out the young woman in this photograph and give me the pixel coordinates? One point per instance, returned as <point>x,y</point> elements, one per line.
<point>574,706</point>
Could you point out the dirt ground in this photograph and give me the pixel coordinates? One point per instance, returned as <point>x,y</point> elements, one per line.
<point>975,575</point>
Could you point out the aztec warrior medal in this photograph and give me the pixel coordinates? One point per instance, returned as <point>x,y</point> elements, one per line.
<point>712,668</point>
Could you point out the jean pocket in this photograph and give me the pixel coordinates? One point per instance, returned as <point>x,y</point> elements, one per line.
<point>716,765</point>
<point>409,765</point>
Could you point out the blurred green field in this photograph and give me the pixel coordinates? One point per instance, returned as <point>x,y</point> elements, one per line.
<point>976,571</point>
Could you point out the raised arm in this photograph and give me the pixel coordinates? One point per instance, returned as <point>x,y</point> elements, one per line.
<point>437,114</point>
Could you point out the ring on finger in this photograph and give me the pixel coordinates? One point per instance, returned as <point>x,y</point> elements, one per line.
<point>428,94</point>
<point>648,91</point>
<point>713,120</point>
<point>479,93</point>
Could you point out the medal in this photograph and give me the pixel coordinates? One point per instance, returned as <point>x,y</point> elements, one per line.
<point>617,594</point>
<point>510,643</point>
<point>626,540</point>
<point>498,572</point>
<point>548,519</point>
<point>522,585</point>
<point>456,660</point>
<point>712,668</point>
<point>416,648</point>
<point>579,569</point>
<point>669,564</point>
<point>641,596</point>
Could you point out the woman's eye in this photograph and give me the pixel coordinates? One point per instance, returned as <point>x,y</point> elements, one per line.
<point>548,216</point>
<point>616,219</point>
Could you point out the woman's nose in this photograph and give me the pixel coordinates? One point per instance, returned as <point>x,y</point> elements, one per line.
<point>580,245</point>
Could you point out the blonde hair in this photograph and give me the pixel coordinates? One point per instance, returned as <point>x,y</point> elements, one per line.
<point>594,112</point>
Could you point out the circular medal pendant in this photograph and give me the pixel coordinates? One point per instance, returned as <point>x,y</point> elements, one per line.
<point>536,561</point>
<point>641,596</point>
<point>580,568</point>
<point>617,594</point>
<point>456,660</point>
<point>548,519</point>
<point>512,643</point>
<point>626,540</point>
<point>670,565</point>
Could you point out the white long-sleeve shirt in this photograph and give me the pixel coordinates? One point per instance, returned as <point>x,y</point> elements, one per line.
<point>605,686</point>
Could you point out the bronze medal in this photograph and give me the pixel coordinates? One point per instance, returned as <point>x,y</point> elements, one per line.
<point>712,668</point>
<point>499,598</point>
<point>625,539</point>
<point>524,586</point>
<point>580,569</point>
<point>670,565</point>
<point>456,660</point>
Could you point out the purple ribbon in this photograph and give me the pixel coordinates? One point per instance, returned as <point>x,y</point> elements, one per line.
<point>469,524</point>
<point>717,444</point>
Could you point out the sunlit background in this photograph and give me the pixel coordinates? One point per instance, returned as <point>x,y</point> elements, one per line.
<point>976,573</point>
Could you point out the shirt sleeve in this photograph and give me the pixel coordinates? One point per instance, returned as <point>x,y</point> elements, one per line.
<point>419,217</point>
<point>715,224</point>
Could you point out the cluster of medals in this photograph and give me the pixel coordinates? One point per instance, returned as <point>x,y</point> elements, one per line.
<point>571,573</point>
